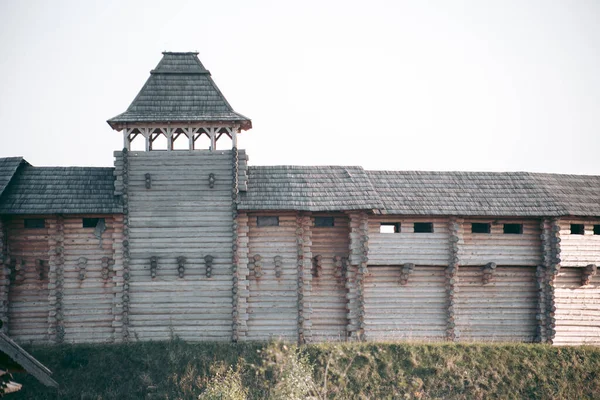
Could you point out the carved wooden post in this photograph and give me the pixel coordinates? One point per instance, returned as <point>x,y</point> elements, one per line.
<point>147,137</point>
<point>303,240</point>
<point>234,133</point>
<point>213,138</point>
<point>169,136</point>
<point>126,141</point>
<point>190,134</point>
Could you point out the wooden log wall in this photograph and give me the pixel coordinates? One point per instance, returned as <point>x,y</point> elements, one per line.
<point>88,288</point>
<point>118,280</point>
<point>56,252</point>
<point>579,250</point>
<point>28,307</point>
<point>456,238</point>
<point>415,310</point>
<point>235,161</point>
<point>501,248</point>
<point>305,277</point>
<point>273,300</point>
<point>498,308</point>
<point>330,248</point>
<point>242,170</point>
<point>407,246</point>
<point>180,240</point>
<point>355,274</point>
<point>551,263</point>
<point>243,276</point>
<point>4,278</point>
<point>577,308</point>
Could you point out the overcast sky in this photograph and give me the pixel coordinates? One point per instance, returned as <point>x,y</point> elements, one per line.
<point>448,85</point>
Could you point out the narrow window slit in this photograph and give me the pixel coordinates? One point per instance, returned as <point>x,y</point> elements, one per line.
<point>480,227</point>
<point>324,222</point>
<point>577,229</point>
<point>263,221</point>
<point>389,227</point>
<point>513,229</point>
<point>423,227</point>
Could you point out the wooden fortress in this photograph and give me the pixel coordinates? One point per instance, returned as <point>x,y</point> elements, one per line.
<point>183,238</point>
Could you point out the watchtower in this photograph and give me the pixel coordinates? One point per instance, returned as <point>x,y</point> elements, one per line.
<point>180,205</point>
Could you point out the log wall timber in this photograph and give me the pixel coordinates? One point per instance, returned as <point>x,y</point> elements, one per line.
<point>305,276</point>
<point>551,262</point>
<point>235,161</point>
<point>242,170</point>
<point>88,288</point>
<point>118,279</point>
<point>416,310</point>
<point>180,215</point>
<point>355,274</point>
<point>407,246</point>
<point>243,283</point>
<point>328,297</point>
<point>502,310</point>
<point>4,278</point>
<point>122,171</point>
<point>56,252</point>
<point>577,308</point>
<point>273,301</point>
<point>579,250</point>
<point>501,248</point>
<point>456,232</point>
<point>28,295</point>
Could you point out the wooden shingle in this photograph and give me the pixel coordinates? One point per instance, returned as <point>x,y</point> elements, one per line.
<point>179,89</point>
<point>61,190</point>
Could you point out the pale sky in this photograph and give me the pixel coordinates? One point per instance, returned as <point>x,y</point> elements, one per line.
<point>401,85</point>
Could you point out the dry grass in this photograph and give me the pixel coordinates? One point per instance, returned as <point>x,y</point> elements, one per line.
<point>179,370</point>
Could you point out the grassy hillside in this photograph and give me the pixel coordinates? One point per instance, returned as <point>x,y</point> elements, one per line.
<point>179,370</point>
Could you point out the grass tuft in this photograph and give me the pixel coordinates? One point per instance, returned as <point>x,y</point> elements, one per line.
<point>179,370</point>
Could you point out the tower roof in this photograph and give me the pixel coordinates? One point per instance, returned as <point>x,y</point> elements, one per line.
<point>179,89</point>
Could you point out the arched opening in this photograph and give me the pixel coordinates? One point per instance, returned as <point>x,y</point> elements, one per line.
<point>180,140</point>
<point>137,142</point>
<point>158,141</point>
<point>223,139</point>
<point>201,141</point>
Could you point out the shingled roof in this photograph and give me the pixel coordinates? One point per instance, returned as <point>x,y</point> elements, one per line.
<point>463,193</point>
<point>517,194</point>
<point>61,190</point>
<point>8,168</point>
<point>308,189</point>
<point>179,89</point>
<point>577,195</point>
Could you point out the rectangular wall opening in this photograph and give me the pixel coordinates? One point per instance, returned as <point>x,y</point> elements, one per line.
<point>423,227</point>
<point>91,222</point>
<point>480,227</point>
<point>389,227</point>
<point>513,229</point>
<point>263,221</point>
<point>324,222</point>
<point>577,229</point>
<point>34,223</point>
